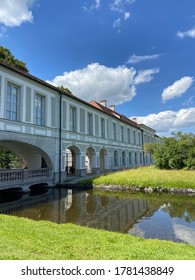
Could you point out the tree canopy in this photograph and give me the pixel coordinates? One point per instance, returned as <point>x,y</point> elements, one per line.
<point>65,90</point>
<point>175,152</point>
<point>7,57</point>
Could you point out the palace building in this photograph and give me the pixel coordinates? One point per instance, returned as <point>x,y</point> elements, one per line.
<point>56,131</point>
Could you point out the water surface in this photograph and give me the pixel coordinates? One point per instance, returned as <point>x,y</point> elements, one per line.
<point>164,217</point>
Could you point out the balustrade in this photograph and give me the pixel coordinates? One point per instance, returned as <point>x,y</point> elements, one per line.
<point>22,175</point>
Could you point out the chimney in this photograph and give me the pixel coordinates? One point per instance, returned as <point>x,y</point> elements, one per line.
<point>134,119</point>
<point>112,107</point>
<point>103,102</point>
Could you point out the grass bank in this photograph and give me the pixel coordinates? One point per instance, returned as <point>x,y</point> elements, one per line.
<point>24,239</point>
<point>147,177</point>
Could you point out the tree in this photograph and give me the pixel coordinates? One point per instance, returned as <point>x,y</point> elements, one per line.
<point>150,148</point>
<point>176,152</point>
<point>9,160</point>
<point>7,57</point>
<point>65,90</point>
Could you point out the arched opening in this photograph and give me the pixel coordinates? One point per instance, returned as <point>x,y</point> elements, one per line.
<point>103,159</point>
<point>90,159</point>
<point>26,163</point>
<point>123,158</point>
<point>130,158</point>
<point>116,165</point>
<point>10,160</point>
<point>27,155</point>
<point>136,158</point>
<point>72,160</point>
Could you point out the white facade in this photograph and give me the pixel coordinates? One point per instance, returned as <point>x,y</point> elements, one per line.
<point>66,134</point>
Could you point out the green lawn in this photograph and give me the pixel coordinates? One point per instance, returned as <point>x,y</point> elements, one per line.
<point>147,177</point>
<point>24,239</point>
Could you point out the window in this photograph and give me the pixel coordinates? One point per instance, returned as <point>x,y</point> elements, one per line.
<point>114,131</point>
<point>128,135</point>
<point>139,139</point>
<point>90,124</point>
<point>115,158</point>
<point>12,102</point>
<point>134,138</point>
<point>123,159</point>
<point>130,158</point>
<point>103,128</point>
<point>140,158</point>
<point>122,133</point>
<point>39,109</point>
<point>135,158</point>
<point>73,119</point>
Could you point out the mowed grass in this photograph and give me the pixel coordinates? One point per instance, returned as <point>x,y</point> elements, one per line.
<point>148,177</point>
<point>24,239</point>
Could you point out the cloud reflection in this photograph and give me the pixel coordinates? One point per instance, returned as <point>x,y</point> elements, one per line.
<point>184,233</point>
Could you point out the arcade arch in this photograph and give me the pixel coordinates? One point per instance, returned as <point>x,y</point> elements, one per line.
<point>103,160</point>
<point>72,160</point>
<point>33,156</point>
<point>90,159</point>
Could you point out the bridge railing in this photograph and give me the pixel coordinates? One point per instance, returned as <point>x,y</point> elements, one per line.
<point>23,175</point>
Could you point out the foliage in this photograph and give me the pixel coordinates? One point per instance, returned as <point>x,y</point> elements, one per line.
<point>176,152</point>
<point>149,148</point>
<point>24,239</point>
<point>65,90</point>
<point>9,160</point>
<point>7,57</point>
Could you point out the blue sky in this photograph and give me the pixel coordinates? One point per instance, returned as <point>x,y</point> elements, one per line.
<point>136,54</point>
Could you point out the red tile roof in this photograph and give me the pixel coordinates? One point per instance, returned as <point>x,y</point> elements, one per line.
<point>114,114</point>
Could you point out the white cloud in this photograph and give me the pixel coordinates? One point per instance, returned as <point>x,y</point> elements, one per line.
<point>139,58</point>
<point>145,76</point>
<point>168,121</point>
<point>189,33</point>
<point>117,25</point>
<point>96,81</point>
<point>14,13</point>
<point>95,6</point>
<point>189,102</point>
<point>126,15</point>
<point>120,5</point>
<point>2,31</point>
<point>177,89</point>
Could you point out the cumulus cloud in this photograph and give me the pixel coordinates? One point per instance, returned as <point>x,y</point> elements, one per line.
<point>189,33</point>
<point>139,58</point>
<point>96,81</point>
<point>14,13</point>
<point>177,89</point>
<point>168,121</point>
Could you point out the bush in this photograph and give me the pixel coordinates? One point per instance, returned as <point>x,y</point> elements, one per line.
<point>176,152</point>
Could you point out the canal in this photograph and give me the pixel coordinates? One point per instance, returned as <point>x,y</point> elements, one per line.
<point>161,216</point>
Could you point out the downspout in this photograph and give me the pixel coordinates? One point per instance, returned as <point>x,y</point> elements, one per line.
<point>143,148</point>
<point>60,139</point>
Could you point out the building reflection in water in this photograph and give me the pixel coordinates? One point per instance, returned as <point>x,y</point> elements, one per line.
<point>83,208</point>
<point>105,212</point>
<point>162,217</point>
